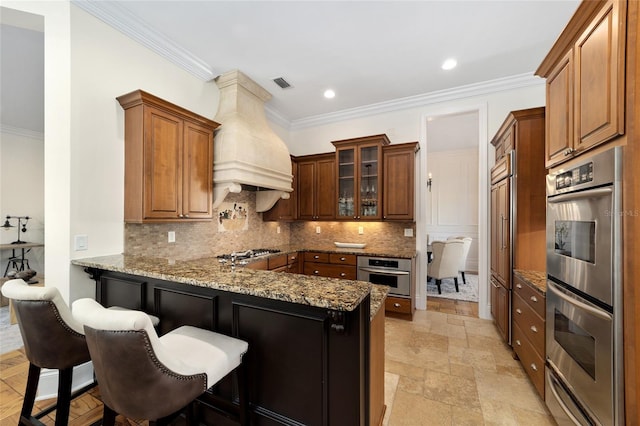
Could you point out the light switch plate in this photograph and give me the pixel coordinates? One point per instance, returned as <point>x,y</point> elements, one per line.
<point>81,242</point>
<point>360,230</point>
<point>171,236</point>
<point>277,230</point>
<point>408,232</point>
<point>317,229</point>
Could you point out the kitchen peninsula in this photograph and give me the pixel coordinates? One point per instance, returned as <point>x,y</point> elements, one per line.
<point>316,345</point>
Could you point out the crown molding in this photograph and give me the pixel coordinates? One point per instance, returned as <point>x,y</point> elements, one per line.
<point>456,93</point>
<point>18,131</point>
<point>133,27</point>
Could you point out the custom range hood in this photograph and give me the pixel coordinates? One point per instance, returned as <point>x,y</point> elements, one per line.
<point>247,153</point>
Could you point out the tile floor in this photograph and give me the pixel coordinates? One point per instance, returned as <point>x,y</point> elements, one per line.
<point>443,368</point>
<point>448,369</point>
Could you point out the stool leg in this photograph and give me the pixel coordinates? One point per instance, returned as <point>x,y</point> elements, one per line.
<point>65,377</point>
<point>464,279</point>
<point>30,392</point>
<point>108,416</point>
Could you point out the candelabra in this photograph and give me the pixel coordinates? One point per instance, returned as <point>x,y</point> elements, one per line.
<point>22,226</point>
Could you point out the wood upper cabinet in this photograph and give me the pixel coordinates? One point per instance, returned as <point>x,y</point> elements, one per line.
<point>585,81</point>
<point>398,181</point>
<point>168,161</point>
<point>500,233</point>
<point>286,210</point>
<point>359,177</point>
<point>316,187</point>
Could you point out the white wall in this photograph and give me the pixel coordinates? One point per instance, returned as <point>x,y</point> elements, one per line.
<point>452,202</point>
<point>22,193</point>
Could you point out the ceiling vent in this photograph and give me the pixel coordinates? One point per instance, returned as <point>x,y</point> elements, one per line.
<point>282,83</point>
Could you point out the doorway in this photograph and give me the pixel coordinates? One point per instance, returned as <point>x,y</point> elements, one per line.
<point>453,196</point>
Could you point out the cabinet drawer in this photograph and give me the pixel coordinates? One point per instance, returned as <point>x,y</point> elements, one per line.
<point>398,304</point>
<point>312,256</point>
<point>293,268</point>
<point>331,271</point>
<point>261,264</point>
<point>533,298</point>
<point>342,259</point>
<point>277,261</point>
<point>532,362</point>
<point>292,258</point>
<point>529,322</point>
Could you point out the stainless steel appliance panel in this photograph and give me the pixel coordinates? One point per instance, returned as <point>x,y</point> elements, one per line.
<point>395,273</point>
<point>580,346</point>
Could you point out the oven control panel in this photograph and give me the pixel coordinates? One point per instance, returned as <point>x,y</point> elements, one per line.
<point>577,176</point>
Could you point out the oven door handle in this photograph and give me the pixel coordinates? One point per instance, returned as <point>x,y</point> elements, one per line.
<point>598,192</point>
<point>556,290</point>
<point>384,271</point>
<point>553,383</point>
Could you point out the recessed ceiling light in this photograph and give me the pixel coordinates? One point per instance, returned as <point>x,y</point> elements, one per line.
<point>449,64</point>
<point>329,94</point>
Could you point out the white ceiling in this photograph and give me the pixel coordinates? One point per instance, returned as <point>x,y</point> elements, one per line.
<point>369,52</point>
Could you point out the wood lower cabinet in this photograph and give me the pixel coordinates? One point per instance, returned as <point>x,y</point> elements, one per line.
<point>168,161</point>
<point>500,297</point>
<point>316,187</point>
<point>330,265</point>
<point>399,181</point>
<point>585,89</point>
<point>529,330</point>
<point>399,305</point>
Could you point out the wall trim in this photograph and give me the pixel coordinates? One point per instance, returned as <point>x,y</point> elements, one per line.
<point>18,131</point>
<point>48,385</point>
<point>133,27</point>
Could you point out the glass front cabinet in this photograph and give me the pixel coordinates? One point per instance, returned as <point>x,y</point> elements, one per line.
<point>359,177</point>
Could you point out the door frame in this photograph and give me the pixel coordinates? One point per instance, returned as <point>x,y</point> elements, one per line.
<point>484,301</point>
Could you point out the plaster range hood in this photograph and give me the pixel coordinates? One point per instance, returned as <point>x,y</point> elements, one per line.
<point>247,153</point>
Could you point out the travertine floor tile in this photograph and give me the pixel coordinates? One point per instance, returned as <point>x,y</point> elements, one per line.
<point>415,410</point>
<point>450,389</point>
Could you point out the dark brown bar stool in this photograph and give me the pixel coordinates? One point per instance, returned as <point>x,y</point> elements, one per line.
<point>52,339</point>
<point>143,376</point>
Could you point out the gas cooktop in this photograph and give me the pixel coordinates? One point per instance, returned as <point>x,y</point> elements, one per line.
<point>243,255</point>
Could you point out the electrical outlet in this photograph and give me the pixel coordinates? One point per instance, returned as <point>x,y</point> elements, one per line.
<point>408,232</point>
<point>171,236</point>
<point>81,242</point>
<point>360,230</point>
<point>317,229</point>
<point>278,230</point>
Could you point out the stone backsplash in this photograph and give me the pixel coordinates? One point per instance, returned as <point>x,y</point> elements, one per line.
<point>196,240</point>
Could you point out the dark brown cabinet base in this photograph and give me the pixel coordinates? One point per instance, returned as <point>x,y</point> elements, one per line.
<point>306,365</point>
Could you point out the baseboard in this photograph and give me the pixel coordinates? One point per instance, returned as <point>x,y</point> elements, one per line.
<point>48,385</point>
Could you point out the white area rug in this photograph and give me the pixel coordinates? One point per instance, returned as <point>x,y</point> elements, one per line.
<point>468,291</point>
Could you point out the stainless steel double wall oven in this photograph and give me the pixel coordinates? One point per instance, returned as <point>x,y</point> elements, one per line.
<point>584,374</point>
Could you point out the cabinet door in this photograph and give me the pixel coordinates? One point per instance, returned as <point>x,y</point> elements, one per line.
<point>599,83</point>
<point>559,112</point>
<point>347,183</point>
<point>500,308</point>
<point>325,189</point>
<point>398,193</point>
<point>197,202</point>
<point>306,189</point>
<point>504,256</point>
<point>370,159</point>
<point>495,230</point>
<point>163,165</point>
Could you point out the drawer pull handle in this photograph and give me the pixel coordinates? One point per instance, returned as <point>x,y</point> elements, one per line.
<point>518,342</point>
<point>316,272</point>
<point>534,328</point>
<point>342,274</point>
<point>293,258</point>
<point>396,305</point>
<point>519,285</point>
<point>534,299</point>
<point>534,367</point>
<point>518,311</point>
<point>343,259</point>
<point>316,257</point>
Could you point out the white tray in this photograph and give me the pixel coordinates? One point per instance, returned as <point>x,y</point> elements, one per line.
<point>350,245</point>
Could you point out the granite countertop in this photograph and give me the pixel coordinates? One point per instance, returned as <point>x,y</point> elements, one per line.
<point>329,293</point>
<point>367,251</point>
<point>537,279</point>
